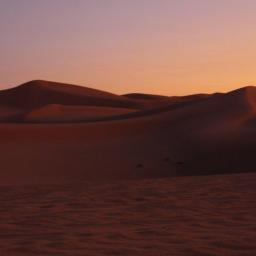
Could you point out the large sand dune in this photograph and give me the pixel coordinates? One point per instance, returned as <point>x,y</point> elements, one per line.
<point>112,136</point>
<point>39,93</point>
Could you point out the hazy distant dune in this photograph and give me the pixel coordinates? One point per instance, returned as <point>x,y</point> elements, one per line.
<point>143,96</point>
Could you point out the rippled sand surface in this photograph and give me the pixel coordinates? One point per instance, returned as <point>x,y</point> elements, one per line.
<point>214,215</point>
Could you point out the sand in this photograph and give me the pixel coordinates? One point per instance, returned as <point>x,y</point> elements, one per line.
<point>55,113</point>
<point>193,135</point>
<point>185,216</point>
<point>87,172</point>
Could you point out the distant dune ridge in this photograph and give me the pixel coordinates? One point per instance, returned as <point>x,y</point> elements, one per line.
<point>52,132</point>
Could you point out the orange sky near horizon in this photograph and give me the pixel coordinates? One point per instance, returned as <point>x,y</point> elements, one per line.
<point>170,47</point>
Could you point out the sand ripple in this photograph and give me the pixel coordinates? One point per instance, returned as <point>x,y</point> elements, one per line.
<point>213,215</point>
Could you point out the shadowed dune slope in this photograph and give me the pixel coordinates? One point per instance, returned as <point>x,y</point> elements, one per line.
<point>39,93</point>
<point>60,113</point>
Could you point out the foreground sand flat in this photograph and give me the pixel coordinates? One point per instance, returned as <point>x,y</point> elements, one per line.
<point>213,215</point>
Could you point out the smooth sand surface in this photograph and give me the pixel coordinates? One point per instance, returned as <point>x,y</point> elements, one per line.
<point>61,113</point>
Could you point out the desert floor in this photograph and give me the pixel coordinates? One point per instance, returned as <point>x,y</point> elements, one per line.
<point>207,215</point>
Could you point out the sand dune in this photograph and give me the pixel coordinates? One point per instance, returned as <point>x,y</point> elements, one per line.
<point>44,101</point>
<point>193,135</point>
<point>154,101</point>
<point>39,93</point>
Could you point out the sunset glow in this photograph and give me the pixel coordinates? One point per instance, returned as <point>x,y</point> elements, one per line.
<point>170,47</point>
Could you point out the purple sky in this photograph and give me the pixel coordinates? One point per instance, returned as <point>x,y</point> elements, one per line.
<point>155,46</point>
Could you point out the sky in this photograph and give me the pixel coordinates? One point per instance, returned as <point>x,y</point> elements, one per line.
<point>171,47</point>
